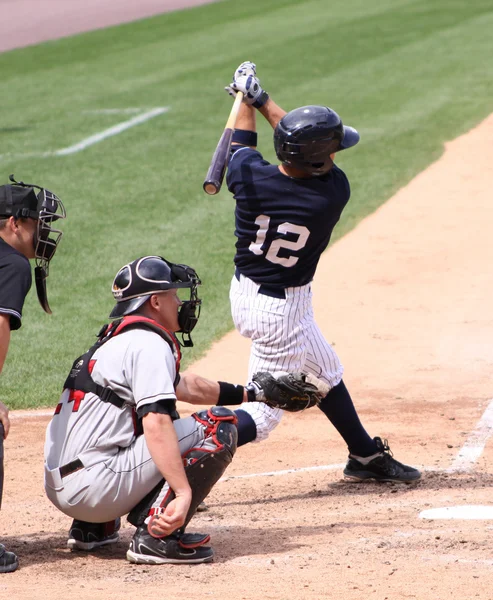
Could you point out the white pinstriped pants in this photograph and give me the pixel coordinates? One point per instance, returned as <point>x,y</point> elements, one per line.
<point>284,337</point>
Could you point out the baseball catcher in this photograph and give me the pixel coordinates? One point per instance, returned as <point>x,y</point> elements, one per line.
<point>116,444</point>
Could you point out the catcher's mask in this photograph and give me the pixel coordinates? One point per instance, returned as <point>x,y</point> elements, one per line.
<point>136,282</point>
<point>21,202</point>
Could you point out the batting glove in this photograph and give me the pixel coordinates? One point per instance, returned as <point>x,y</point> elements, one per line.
<point>253,93</point>
<point>246,68</point>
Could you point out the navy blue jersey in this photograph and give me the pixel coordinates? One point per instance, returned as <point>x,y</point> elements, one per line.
<point>15,282</point>
<point>282,224</point>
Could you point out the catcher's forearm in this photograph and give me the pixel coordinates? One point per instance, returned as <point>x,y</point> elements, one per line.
<point>162,442</point>
<point>195,389</point>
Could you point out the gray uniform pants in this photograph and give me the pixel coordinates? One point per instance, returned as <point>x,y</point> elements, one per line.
<point>112,487</point>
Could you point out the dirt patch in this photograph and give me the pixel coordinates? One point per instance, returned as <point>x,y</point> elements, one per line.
<point>26,22</point>
<point>406,298</point>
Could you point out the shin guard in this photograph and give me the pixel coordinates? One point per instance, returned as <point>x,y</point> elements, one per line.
<point>204,465</point>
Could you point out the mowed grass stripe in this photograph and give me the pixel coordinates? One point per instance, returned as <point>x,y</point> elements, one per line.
<point>408,74</point>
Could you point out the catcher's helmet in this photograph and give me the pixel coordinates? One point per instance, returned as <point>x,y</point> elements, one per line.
<point>135,283</point>
<point>306,137</point>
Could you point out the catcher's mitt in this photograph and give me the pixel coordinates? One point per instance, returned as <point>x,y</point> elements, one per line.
<point>291,392</point>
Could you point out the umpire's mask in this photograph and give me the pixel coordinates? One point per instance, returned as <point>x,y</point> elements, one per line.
<point>21,202</point>
<point>135,283</point>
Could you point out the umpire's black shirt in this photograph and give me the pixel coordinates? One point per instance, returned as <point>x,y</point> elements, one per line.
<point>15,282</point>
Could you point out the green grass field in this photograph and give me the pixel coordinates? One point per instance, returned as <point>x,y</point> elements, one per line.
<point>408,74</point>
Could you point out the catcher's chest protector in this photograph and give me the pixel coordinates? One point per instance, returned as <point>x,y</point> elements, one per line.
<point>80,378</point>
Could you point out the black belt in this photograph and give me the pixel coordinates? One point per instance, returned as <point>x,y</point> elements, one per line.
<point>71,467</point>
<point>267,290</point>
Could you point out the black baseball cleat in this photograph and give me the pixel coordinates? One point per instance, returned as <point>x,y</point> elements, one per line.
<point>8,560</point>
<point>90,536</point>
<point>174,549</point>
<point>382,468</point>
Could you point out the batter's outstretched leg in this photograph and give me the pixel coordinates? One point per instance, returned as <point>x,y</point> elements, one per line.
<point>338,407</point>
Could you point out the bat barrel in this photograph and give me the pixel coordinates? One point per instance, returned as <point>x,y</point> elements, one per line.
<point>215,175</point>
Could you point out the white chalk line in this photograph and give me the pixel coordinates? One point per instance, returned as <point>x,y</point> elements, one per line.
<point>475,443</point>
<point>285,472</point>
<point>115,130</point>
<point>97,137</point>
<point>471,450</point>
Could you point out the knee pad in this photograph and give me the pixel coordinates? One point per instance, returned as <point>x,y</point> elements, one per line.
<point>204,465</point>
<point>220,428</point>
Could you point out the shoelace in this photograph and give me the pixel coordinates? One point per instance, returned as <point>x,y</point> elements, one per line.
<point>383,446</point>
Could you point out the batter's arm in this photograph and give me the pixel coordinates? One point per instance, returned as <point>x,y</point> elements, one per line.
<point>246,120</point>
<point>272,112</point>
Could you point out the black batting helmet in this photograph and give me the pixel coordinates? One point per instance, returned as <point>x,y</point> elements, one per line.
<point>306,137</point>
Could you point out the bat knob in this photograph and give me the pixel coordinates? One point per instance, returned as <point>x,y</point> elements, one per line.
<point>210,188</point>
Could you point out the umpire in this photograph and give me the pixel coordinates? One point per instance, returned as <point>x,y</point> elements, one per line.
<point>26,231</point>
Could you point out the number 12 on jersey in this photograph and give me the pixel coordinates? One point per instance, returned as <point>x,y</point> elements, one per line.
<point>272,250</point>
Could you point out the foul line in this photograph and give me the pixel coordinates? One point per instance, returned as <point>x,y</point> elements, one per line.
<point>97,137</point>
<point>115,130</point>
<point>285,472</point>
<point>464,461</point>
<point>475,443</point>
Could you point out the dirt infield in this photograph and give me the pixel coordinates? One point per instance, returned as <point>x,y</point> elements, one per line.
<point>406,298</point>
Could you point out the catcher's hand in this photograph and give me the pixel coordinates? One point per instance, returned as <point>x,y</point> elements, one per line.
<point>292,392</point>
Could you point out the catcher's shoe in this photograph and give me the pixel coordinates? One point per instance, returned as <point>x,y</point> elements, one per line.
<point>90,536</point>
<point>174,549</point>
<point>8,561</point>
<point>381,468</point>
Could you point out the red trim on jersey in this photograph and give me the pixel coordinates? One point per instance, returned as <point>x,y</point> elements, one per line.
<point>130,320</point>
<point>76,396</point>
<point>90,366</point>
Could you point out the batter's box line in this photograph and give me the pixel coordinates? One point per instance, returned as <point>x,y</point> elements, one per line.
<point>464,461</point>
<point>475,443</point>
<point>96,138</point>
<point>333,467</point>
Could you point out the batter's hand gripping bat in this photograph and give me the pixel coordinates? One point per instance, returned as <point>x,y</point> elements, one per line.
<point>220,158</point>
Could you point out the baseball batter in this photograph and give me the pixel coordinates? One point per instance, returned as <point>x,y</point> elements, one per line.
<point>284,218</point>
<point>116,444</point>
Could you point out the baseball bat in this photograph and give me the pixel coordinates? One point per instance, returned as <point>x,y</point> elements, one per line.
<point>1,463</point>
<point>215,175</point>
